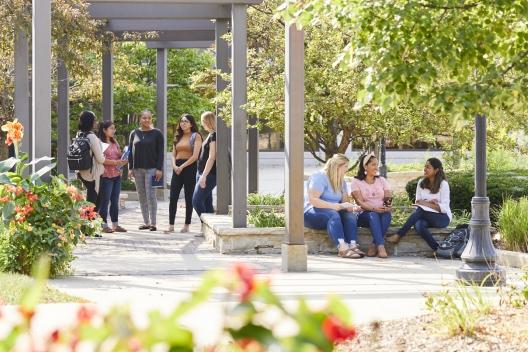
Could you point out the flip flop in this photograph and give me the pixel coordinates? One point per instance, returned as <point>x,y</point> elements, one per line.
<point>350,254</point>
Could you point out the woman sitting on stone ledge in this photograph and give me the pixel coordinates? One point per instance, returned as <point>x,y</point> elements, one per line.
<point>373,194</point>
<point>432,205</point>
<point>326,207</point>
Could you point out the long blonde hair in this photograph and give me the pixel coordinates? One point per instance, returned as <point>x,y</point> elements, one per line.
<point>331,166</point>
<point>209,120</point>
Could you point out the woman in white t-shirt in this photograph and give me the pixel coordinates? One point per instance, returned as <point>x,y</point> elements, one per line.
<point>432,205</point>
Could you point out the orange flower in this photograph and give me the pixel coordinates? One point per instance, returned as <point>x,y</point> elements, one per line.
<point>85,314</point>
<point>15,131</point>
<point>4,199</point>
<point>246,275</point>
<point>335,331</point>
<point>32,197</point>
<point>87,212</point>
<point>74,193</point>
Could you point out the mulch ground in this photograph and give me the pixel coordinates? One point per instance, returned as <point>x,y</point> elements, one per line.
<point>506,329</point>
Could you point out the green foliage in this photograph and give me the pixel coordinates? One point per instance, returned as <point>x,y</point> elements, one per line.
<point>458,58</point>
<point>127,185</point>
<point>515,295</point>
<point>266,218</point>
<point>40,219</point>
<point>496,159</point>
<point>247,323</point>
<point>501,185</point>
<point>265,199</point>
<point>459,310</point>
<point>512,220</point>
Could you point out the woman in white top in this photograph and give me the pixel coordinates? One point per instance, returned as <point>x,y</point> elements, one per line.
<point>432,205</point>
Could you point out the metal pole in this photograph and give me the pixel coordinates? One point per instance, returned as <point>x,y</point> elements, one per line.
<point>253,156</point>
<point>223,132</point>
<point>41,82</point>
<point>480,256</point>
<point>108,83</point>
<point>239,125</point>
<point>63,121</point>
<point>161,106</point>
<point>383,152</point>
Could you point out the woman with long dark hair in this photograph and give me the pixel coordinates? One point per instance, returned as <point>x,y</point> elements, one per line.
<point>372,193</point>
<point>185,152</point>
<point>110,187</point>
<point>432,205</point>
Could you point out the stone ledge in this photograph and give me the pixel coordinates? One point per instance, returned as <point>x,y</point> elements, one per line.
<point>512,259</point>
<point>226,239</point>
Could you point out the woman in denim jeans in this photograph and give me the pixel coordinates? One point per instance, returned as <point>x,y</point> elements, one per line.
<point>432,205</point>
<point>146,165</point>
<point>206,176</point>
<point>110,185</point>
<point>326,207</point>
<point>372,192</point>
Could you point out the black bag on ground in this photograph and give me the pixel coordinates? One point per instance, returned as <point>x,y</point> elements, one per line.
<point>455,243</point>
<point>79,154</point>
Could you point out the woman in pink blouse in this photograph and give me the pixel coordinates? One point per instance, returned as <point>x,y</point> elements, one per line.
<point>372,193</point>
<point>110,187</point>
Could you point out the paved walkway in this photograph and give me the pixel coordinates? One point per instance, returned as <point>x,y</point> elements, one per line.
<point>154,270</point>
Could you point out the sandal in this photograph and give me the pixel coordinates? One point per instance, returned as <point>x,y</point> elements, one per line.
<point>358,251</point>
<point>372,251</point>
<point>144,227</point>
<point>350,254</point>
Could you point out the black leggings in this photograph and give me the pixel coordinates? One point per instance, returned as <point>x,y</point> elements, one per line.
<point>187,180</point>
<point>91,194</point>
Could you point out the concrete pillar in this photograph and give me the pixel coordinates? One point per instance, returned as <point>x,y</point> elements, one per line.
<point>22,109</point>
<point>161,104</point>
<point>63,122</point>
<point>479,258</point>
<point>223,132</point>
<point>253,156</point>
<point>239,115</point>
<point>294,250</point>
<point>383,158</point>
<point>41,81</point>
<point>108,83</point>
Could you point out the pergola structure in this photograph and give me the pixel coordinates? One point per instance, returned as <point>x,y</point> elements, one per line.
<point>179,24</point>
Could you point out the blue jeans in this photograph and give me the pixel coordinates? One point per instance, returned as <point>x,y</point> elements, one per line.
<point>422,220</point>
<point>109,191</point>
<point>203,197</point>
<point>377,222</point>
<point>339,225</point>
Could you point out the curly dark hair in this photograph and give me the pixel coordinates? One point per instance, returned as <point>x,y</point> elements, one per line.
<point>179,131</point>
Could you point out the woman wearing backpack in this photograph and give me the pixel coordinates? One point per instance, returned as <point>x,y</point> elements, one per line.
<point>432,205</point>
<point>146,166</point>
<point>185,152</point>
<point>110,187</point>
<point>91,177</point>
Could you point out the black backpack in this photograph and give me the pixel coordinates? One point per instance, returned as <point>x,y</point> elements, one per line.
<point>455,243</point>
<point>79,154</point>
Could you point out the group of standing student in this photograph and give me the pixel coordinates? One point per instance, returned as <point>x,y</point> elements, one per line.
<point>328,207</point>
<point>193,163</point>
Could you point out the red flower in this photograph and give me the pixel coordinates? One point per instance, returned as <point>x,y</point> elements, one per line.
<point>246,275</point>
<point>32,197</point>
<point>4,199</point>
<point>87,212</point>
<point>55,335</point>
<point>8,141</point>
<point>336,331</point>
<point>85,314</point>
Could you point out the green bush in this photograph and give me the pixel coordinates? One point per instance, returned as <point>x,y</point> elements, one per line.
<point>266,218</point>
<point>512,220</point>
<point>127,185</point>
<point>501,185</point>
<point>265,199</point>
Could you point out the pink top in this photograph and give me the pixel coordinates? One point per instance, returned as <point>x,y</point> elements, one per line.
<point>372,194</point>
<point>112,153</point>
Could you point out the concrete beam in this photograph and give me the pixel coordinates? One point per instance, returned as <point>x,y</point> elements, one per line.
<point>223,132</point>
<point>63,121</point>
<point>294,257</point>
<point>108,83</point>
<point>165,36</point>
<point>41,81</point>
<point>109,10</point>
<point>239,115</point>
<point>22,108</point>
<point>159,25</point>
<point>205,44</point>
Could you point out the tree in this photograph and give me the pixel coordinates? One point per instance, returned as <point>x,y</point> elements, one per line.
<point>331,123</point>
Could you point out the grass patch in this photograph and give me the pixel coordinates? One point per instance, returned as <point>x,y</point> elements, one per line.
<point>13,287</point>
<point>405,167</point>
<point>266,218</point>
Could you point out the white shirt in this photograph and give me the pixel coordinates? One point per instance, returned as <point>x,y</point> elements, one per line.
<point>442,196</point>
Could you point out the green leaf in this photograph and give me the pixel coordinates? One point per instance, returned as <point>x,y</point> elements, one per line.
<point>8,164</point>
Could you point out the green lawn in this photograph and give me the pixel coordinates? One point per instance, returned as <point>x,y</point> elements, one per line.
<point>13,286</point>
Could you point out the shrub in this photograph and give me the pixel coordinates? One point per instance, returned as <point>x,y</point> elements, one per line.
<point>250,323</point>
<point>265,199</point>
<point>501,185</point>
<point>266,218</point>
<point>127,185</point>
<point>512,220</point>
